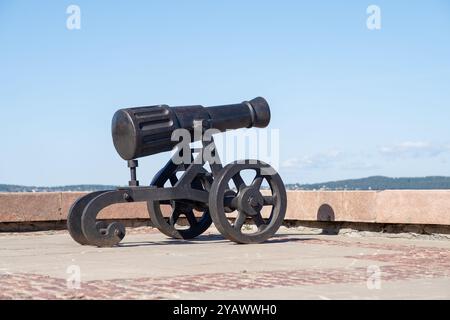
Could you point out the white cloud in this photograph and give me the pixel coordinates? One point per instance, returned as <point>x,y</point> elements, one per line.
<point>319,160</point>
<point>359,165</point>
<point>413,149</point>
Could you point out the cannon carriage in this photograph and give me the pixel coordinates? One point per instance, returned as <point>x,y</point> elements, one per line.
<point>198,195</point>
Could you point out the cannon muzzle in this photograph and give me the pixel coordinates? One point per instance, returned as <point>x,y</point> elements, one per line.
<point>143,131</point>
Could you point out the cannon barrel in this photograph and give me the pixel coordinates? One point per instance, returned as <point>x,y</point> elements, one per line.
<point>143,131</point>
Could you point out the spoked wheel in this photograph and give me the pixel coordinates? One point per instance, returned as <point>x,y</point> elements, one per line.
<point>248,201</point>
<point>196,225</point>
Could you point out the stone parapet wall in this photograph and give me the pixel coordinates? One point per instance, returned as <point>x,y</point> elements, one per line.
<point>390,206</point>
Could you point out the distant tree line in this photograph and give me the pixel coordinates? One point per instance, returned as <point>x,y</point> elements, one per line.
<point>378,183</point>
<point>370,183</point>
<point>81,187</point>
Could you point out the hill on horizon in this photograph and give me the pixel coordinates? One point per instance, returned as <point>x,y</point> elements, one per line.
<point>370,183</point>
<point>74,188</point>
<point>378,183</point>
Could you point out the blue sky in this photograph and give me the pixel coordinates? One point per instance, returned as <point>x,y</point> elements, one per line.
<point>349,102</point>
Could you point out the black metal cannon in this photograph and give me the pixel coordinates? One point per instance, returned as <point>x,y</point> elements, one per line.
<point>219,195</point>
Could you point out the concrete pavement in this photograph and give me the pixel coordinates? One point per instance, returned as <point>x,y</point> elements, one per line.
<point>293,265</point>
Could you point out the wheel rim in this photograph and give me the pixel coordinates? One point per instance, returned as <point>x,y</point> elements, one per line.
<point>248,201</point>
<point>179,209</point>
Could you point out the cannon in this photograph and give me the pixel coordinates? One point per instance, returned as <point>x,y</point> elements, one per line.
<point>193,194</point>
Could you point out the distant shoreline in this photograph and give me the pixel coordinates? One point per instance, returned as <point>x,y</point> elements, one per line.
<point>370,183</point>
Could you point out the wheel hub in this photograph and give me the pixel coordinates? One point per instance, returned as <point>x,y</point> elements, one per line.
<point>250,201</point>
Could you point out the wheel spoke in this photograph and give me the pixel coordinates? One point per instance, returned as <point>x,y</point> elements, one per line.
<point>238,181</point>
<point>206,183</point>
<point>259,221</point>
<point>191,218</point>
<point>269,200</point>
<point>257,181</point>
<point>240,220</point>
<point>174,216</point>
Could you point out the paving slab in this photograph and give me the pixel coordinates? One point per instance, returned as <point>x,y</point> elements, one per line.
<point>292,265</point>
